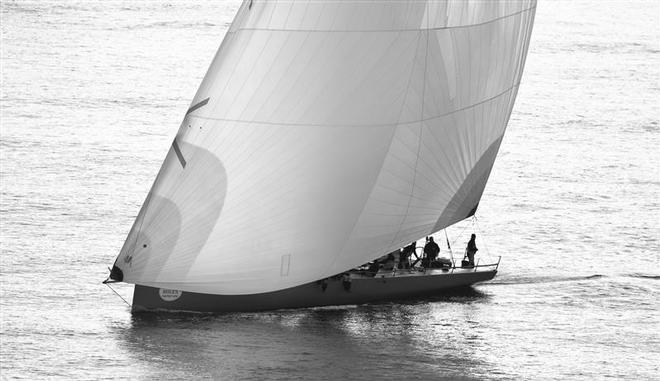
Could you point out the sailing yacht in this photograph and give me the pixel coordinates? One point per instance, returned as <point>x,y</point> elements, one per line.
<point>324,135</point>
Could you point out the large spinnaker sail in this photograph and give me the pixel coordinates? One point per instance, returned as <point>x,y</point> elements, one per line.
<point>325,134</point>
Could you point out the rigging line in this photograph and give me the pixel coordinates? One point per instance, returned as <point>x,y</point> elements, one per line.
<point>448,245</point>
<point>462,231</point>
<point>116,293</point>
<point>451,252</point>
<point>482,235</point>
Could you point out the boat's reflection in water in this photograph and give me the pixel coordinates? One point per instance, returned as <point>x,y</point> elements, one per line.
<point>430,338</point>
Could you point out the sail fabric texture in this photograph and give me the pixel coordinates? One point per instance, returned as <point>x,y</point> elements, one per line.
<point>325,134</point>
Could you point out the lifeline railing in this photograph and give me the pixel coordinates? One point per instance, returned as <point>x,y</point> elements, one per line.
<point>453,261</point>
<point>453,267</point>
<point>477,265</point>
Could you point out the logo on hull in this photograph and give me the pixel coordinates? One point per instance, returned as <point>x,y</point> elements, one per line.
<point>169,295</point>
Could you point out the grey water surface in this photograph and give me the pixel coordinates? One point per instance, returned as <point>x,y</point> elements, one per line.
<point>93,92</point>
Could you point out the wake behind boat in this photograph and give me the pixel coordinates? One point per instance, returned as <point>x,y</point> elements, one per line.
<point>325,134</point>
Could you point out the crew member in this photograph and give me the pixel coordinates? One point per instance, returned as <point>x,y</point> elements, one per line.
<point>373,268</point>
<point>404,256</point>
<point>431,249</point>
<point>390,263</point>
<point>471,249</point>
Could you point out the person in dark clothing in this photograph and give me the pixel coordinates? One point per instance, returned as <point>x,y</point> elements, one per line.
<point>431,249</point>
<point>404,256</point>
<point>323,283</point>
<point>346,281</point>
<point>390,262</point>
<point>471,249</point>
<point>373,269</point>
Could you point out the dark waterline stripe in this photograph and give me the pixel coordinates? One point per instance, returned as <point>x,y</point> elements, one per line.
<point>178,153</point>
<point>198,105</point>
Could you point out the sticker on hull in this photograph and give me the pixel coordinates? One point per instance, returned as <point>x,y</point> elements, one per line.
<point>169,295</point>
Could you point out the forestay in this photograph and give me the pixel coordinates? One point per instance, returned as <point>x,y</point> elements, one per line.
<point>325,134</point>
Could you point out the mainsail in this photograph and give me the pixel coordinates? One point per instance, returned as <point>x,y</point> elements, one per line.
<point>325,134</point>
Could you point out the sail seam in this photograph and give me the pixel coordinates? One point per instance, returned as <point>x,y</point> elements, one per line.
<point>386,30</point>
<point>359,125</point>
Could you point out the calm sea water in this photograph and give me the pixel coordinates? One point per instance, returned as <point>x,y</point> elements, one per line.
<point>93,92</point>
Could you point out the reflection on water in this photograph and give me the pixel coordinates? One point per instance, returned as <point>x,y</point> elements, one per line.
<point>422,339</point>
